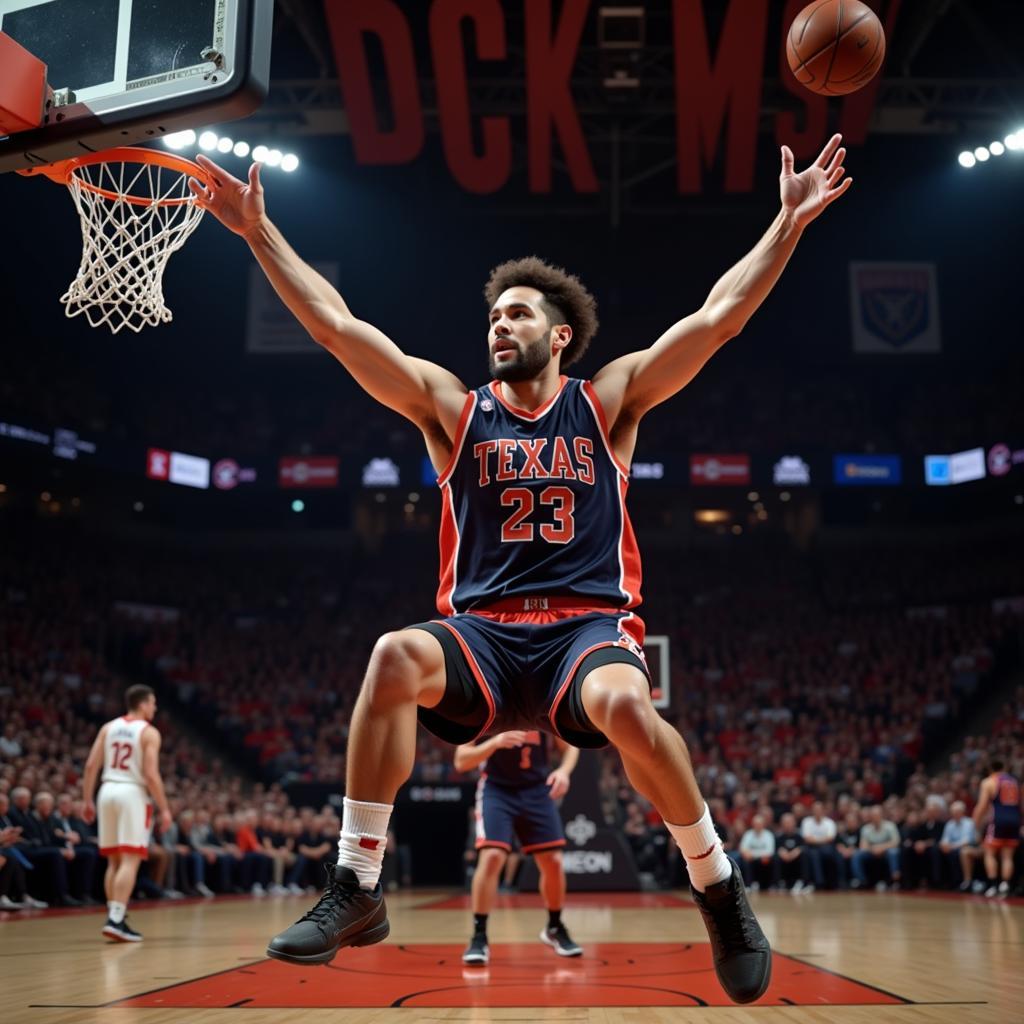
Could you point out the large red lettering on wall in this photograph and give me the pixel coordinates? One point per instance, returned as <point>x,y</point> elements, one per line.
<point>490,170</point>
<point>706,88</point>
<point>349,21</point>
<point>550,109</point>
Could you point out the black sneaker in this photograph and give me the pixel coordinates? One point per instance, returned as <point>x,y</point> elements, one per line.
<point>477,952</point>
<point>121,932</point>
<point>345,915</point>
<point>558,939</point>
<point>743,958</point>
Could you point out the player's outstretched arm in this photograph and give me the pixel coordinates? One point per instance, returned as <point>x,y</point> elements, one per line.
<point>637,382</point>
<point>409,386</point>
<point>471,755</point>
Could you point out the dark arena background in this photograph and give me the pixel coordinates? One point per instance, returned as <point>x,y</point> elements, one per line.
<point>831,519</point>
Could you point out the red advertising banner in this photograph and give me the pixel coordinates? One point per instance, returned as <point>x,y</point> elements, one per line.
<point>307,471</point>
<point>720,470</point>
<point>158,464</point>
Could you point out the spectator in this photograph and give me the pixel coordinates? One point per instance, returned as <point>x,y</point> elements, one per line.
<point>818,832</point>
<point>85,856</point>
<point>256,865</point>
<point>922,860</point>
<point>958,846</point>
<point>38,845</point>
<point>879,852</point>
<point>279,847</point>
<point>792,864</point>
<point>756,856</point>
<point>847,844</point>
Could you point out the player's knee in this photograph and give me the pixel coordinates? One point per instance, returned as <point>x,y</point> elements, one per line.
<point>622,709</point>
<point>490,860</point>
<point>395,670</point>
<point>551,860</point>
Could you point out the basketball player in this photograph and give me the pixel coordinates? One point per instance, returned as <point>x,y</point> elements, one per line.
<point>540,573</point>
<point>1000,791</point>
<point>515,797</point>
<point>128,749</point>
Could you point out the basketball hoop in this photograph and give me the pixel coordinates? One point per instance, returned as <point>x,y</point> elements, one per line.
<point>136,209</point>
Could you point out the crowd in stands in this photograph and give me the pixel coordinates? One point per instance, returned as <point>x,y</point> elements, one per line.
<point>808,706</point>
<point>772,408</point>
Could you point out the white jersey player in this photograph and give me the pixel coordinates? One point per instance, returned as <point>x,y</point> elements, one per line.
<point>127,751</point>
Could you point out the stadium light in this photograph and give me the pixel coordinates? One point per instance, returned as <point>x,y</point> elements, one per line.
<point>967,159</point>
<point>241,149</point>
<point>274,157</point>
<point>259,154</point>
<point>208,141</point>
<point>179,140</point>
<point>981,153</point>
<point>289,162</point>
<point>225,145</point>
<point>298,505</point>
<point>996,148</point>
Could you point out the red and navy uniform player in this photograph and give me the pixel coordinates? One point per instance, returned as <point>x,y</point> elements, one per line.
<point>516,799</point>
<point>1001,792</point>
<point>540,577</point>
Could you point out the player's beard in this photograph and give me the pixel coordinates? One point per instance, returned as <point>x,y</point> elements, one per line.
<point>527,364</point>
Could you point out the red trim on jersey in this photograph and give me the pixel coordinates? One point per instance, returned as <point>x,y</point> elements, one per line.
<point>458,439</point>
<point>629,553</point>
<point>602,422</point>
<point>495,844</point>
<point>544,618</point>
<point>142,851</point>
<point>448,542</point>
<point>477,674</point>
<point>527,414</point>
<point>541,847</point>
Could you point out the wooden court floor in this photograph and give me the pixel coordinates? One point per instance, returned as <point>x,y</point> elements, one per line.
<point>846,958</point>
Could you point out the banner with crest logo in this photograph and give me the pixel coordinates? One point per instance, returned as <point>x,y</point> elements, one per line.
<point>894,308</point>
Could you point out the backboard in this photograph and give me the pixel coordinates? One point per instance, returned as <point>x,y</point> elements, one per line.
<point>127,71</point>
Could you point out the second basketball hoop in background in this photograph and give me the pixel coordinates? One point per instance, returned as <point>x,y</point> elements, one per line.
<point>136,210</point>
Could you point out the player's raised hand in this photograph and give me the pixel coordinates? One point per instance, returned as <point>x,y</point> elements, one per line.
<point>558,783</point>
<point>238,205</point>
<point>806,194</point>
<point>513,738</point>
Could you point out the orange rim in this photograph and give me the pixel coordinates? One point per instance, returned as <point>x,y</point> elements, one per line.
<point>63,171</point>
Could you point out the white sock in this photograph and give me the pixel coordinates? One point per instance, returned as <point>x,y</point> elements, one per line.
<point>116,911</point>
<point>706,862</point>
<point>364,832</point>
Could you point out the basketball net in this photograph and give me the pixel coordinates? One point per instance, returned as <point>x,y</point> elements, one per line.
<point>136,210</point>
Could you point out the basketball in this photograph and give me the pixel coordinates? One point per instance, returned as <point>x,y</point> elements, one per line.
<point>835,47</point>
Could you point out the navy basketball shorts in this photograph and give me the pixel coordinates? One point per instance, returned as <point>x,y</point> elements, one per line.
<point>525,670</point>
<point>504,813</point>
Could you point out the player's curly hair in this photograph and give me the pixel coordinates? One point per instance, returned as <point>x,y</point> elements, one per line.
<point>566,299</point>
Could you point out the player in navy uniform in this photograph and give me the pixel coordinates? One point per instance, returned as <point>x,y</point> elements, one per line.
<point>1000,792</point>
<point>515,799</point>
<point>540,575</point>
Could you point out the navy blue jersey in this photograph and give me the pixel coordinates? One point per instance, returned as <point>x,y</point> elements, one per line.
<point>519,767</point>
<point>1006,802</point>
<point>534,503</point>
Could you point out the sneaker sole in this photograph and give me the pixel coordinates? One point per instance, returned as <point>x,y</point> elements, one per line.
<point>476,960</point>
<point>368,938</point>
<point>120,937</point>
<point>561,952</point>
